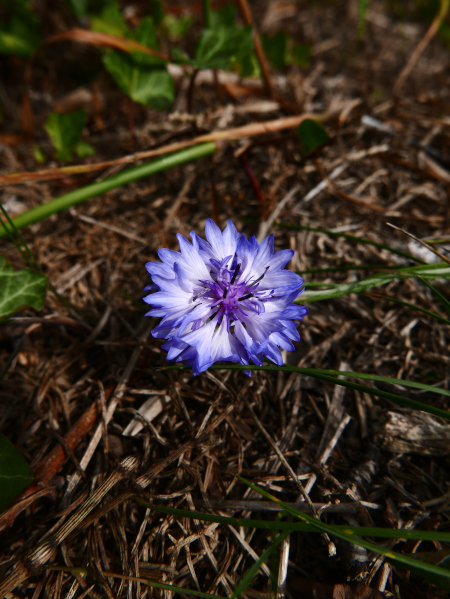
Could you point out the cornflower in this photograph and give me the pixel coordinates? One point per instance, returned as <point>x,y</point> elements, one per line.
<point>228,298</point>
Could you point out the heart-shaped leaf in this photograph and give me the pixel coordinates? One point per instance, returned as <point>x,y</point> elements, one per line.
<point>142,77</point>
<point>311,136</point>
<point>218,48</point>
<point>19,289</point>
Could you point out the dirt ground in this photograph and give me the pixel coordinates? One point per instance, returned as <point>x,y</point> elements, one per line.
<point>80,377</point>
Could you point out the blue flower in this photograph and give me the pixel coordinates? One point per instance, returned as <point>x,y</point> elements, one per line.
<point>230,299</point>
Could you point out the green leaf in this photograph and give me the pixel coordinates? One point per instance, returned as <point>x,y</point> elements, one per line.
<point>84,149</point>
<point>301,53</point>
<point>276,49</point>
<point>177,27</point>
<point>146,34</point>
<point>311,136</point>
<point>178,55</point>
<point>110,21</point>
<point>151,87</point>
<point>224,17</point>
<point>218,48</point>
<point>142,77</point>
<point>15,474</point>
<point>20,35</point>
<point>38,154</point>
<point>249,66</point>
<point>65,131</point>
<point>20,288</point>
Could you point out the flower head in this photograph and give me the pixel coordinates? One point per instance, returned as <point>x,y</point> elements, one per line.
<point>230,299</point>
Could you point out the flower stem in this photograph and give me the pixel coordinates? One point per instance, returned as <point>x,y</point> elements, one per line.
<point>94,189</point>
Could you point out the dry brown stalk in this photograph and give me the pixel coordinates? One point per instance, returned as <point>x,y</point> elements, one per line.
<point>345,196</point>
<point>431,32</point>
<point>49,466</point>
<point>248,20</point>
<point>252,130</point>
<point>45,551</point>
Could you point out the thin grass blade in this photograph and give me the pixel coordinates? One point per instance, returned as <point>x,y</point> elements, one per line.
<point>349,536</point>
<point>364,531</point>
<point>363,240</point>
<point>408,305</point>
<point>253,570</point>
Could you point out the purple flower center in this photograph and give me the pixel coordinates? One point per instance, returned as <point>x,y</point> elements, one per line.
<point>230,297</point>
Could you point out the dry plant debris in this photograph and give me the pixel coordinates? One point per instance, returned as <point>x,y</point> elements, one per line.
<point>102,424</point>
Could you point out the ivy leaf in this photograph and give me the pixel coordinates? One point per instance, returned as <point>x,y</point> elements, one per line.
<point>20,35</point>
<point>15,474</point>
<point>311,136</point>
<point>65,131</point>
<point>142,77</point>
<point>218,48</point>
<point>19,289</point>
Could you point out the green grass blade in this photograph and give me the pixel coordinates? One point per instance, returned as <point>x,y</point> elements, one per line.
<point>148,581</point>
<point>134,173</point>
<point>444,301</point>
<point>253,570</point>
<point>316,372</point>
<point>11,231</point>
<point>435,271</point>
<point>364,531</point>
<point>349,536</point>
<point>350,238</point>
<point>408,305</point>
<point>319,374</point>
<point>168,587</point>
<point>346,267</point>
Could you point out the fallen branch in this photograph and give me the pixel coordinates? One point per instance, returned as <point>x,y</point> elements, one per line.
<point>252,130</point>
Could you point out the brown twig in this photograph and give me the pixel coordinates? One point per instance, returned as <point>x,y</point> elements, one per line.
<point>248,20</point>
<point>426,245</point>
<point>335,189</point>
<point>252,178</point>
<point>432,30</point>
<point>49,466</point>
<point>252,130</point>
<point>190,92</point>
